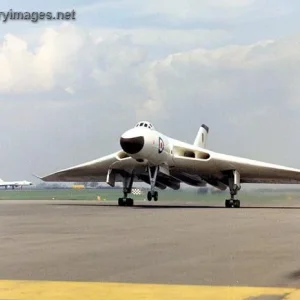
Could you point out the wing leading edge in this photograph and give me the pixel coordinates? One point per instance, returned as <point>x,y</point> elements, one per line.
<point>95,170</point>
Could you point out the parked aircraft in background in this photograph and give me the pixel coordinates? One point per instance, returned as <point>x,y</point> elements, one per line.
<point>14,184</point>
<point>150,156</point>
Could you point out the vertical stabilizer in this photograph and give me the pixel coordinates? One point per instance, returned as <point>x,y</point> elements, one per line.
<point>200,140</point>
<point>1,180</point>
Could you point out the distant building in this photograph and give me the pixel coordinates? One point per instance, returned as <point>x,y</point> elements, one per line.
<point>78,186</point>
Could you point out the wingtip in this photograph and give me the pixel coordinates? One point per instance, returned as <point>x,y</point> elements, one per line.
<point>37,176</point>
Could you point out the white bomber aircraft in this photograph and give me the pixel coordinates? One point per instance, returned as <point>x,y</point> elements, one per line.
<point>14,184</point>
<point>149,156</point>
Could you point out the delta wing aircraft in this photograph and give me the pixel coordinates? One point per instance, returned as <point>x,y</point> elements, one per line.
<point>149,156</point>
<point>14,184</point>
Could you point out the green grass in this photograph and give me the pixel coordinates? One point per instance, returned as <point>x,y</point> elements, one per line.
<point>65,194</point>
<point>111,194</point>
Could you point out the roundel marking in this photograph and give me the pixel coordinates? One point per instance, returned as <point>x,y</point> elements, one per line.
<point>161,145</point>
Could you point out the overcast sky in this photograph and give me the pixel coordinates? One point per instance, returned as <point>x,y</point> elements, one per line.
<point>68,91</point>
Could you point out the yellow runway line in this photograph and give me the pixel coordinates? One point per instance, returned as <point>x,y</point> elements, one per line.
<point>46,290</point>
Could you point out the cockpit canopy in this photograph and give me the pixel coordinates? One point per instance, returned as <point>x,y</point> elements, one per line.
<point>145,124</point>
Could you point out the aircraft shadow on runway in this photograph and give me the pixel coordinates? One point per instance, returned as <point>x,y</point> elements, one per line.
<point>295,275</point>
<point>136,206</point>
<point>172,206</point>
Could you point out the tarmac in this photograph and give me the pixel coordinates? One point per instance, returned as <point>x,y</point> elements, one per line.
<point>86,249</point>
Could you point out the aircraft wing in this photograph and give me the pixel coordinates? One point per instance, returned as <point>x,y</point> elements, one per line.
<point>192,165</point>
<point>212,167</point>
<point>253,171</point>
<point>95,170</point>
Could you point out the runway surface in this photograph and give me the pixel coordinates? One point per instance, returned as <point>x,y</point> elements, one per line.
<point>201,249</point>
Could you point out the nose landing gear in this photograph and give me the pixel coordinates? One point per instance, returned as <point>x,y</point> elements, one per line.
<point>152,194</point>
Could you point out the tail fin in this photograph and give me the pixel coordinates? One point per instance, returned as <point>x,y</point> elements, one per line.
<point>200,140</point>
<point>1,180</point>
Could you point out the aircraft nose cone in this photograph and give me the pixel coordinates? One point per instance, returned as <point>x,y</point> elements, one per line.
<point>132,145</point>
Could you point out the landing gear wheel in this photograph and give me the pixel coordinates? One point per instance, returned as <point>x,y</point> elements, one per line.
<point>154,196</point>
<point>129,202</point>
<point>232,203</point>
<point>236,203</point>
<point>228,203</point>
<point>121,202</point>
<point>125,202</point>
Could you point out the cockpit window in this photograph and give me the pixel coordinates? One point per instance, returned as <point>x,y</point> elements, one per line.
<point>145,124</point>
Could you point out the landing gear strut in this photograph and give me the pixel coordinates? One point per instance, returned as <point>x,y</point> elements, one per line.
<point>127,187</point>
<point>234,187</point>
<point>152,177</point>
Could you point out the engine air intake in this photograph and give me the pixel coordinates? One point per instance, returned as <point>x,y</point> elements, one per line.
<point>132,145</point>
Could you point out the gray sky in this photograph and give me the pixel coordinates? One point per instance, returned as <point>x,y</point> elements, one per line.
<point>68,90</point>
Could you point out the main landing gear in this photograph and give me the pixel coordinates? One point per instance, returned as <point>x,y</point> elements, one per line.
<point>152,194</point>
<point>127,187</point>
<point>234,187</point>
